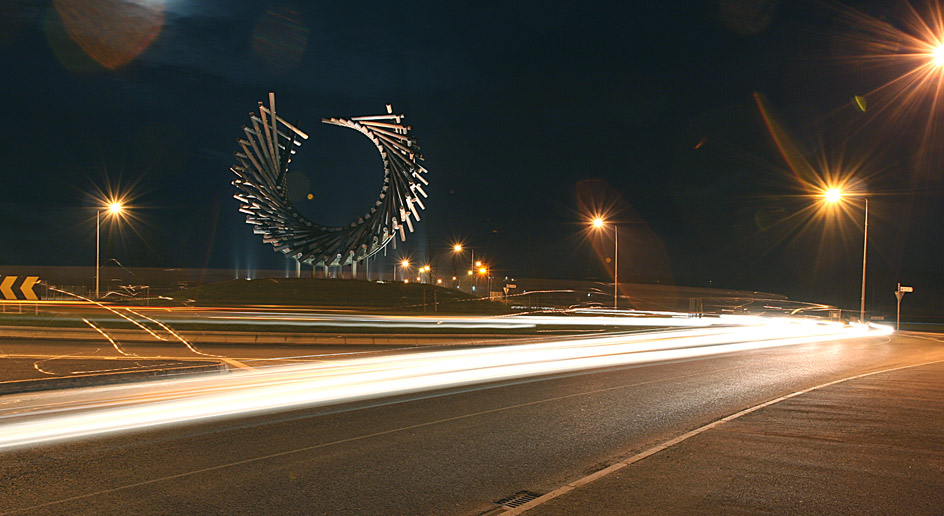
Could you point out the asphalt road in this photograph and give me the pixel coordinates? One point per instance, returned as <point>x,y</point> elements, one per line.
<point>871,445</point>
<point>453,451</point>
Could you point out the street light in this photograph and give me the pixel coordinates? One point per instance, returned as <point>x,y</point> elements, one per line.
<point>113,208</point>
<point>405,264</point>
<point>458,250</point>
<point>483,271</point>
<point>598,223</point>
<point>833,196</point>
<point>937,56</point>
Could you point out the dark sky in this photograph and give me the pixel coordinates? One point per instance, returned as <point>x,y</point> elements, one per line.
<point>527,112</point>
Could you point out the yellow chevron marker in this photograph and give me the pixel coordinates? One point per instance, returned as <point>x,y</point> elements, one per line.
<point>6,287</point>
<point>27,288</point>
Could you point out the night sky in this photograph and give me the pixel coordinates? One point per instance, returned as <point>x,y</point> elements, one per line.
<point>530,114</point>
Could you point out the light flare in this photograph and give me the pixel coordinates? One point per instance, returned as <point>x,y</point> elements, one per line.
<point>112,32</point>
<point>937,55</point>
<point>903,46</point>
<point>833,195</point>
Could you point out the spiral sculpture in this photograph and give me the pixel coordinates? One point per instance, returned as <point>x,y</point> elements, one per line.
<point>264,156</point>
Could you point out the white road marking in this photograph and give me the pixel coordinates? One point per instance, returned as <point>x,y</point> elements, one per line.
<point>684,437</point>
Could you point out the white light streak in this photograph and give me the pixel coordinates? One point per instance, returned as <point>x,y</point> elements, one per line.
<point>41,418</point>
<point>600,318</point>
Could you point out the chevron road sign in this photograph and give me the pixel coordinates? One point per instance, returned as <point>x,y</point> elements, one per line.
<point>24,292</point>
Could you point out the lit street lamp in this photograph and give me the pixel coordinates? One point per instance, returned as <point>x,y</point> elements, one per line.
<point>405,264</point>
<point>598,223</point>
<point>483,270</point>
<point>113,208</point>
<point>835,195</point>
<point>472,281</point>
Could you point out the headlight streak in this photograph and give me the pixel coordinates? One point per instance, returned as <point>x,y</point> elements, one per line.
<point>173,333</point>
<point>42,418</point>
<point>467,322</point>
<point>108,337</point>
<point>110,309</point>
<point>281,318</point>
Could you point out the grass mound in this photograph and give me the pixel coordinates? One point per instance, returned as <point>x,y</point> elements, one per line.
<point>332,293</point>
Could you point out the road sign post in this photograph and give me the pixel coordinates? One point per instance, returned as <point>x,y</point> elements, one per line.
<point>900,293</point>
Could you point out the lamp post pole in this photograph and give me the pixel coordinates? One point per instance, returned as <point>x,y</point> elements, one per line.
<point>475,279</point>
<point>865,249</point>
<point>405,265</point>
<point>98,246</point>
<point>835,195</point>
<point>615,267</point>
<point>115,208</point>
<point>598,223</point>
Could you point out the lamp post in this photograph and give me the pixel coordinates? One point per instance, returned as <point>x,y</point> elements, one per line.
<point>835,195</point>
<point>113,208</point>
<point>599,223</point>
<point>474,279</point>
<point>405,264</point>
<point>865,250</point>
<point>456,249</point>
<point>483,270</point>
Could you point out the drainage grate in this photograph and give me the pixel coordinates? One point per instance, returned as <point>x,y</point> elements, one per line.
<point>518,499</point>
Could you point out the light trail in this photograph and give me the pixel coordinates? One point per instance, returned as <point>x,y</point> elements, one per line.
<point>110,309</point>
<point>40,418</point>
<point>600,318</point>
<point>108,337</point>
<point>575,319</point>
<point>282,317</point>
<point>176,335</point>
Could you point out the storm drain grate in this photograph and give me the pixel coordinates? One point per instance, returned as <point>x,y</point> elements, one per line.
<point>518,499</point>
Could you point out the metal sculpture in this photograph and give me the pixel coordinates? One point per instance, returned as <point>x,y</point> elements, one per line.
<point>264,157</point>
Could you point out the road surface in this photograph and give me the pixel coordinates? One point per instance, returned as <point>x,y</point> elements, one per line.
<point>454,450</point>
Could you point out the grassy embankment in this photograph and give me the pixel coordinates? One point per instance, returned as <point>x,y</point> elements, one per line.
<point>337,294</point>
<point>346,296</point>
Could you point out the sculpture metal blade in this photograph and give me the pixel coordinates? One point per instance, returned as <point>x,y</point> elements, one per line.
<point>263,160</point>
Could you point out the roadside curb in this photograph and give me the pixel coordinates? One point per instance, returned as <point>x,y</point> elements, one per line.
<point>66,382</point>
